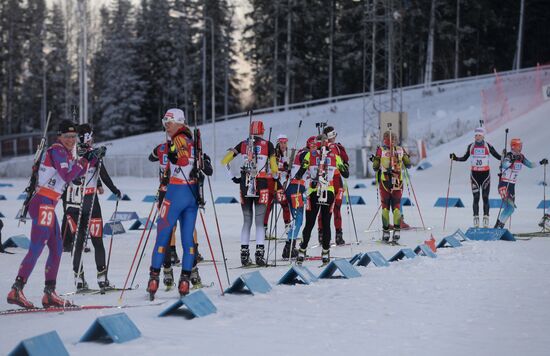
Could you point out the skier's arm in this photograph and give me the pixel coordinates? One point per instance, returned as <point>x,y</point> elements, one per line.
<point>376,160</point>
<point>61,164</point>
<point>106,178</point>
<point>342,166</point>
<point>153,157</point>
<point>343,154</point>
<point>494,152</point>
<point>231,153</point>
<point>304,166</point>
<point>406,161</point>
<point>466,155</point>
<point>528,163</point>
<point>273,165</point>
<point>179,154</point>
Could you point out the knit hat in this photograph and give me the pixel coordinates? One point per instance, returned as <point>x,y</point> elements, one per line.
<point>479,131</point>
<point>173,115</point>
<point>66,126</point>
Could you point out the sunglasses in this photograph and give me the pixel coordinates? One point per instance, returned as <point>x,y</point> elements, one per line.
<point>69,135</point>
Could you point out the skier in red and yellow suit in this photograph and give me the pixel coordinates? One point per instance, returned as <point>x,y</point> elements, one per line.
<point>388,164</point>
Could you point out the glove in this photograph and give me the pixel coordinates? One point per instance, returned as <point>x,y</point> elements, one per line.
<point>236,180</point>
<point>81,149</point>
<point>543,161</point>
<point>98,153</point>
<point>207,162</point>
<point>452,156</point>
<point>172,155</point>
<point>371,158</point>
<point>118,194</point>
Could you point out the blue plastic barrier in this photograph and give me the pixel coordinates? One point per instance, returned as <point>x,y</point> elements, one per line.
<point>359,186</point>
<point>495,203</point>
<point>543,203</point>
<point>149,199</point>
<point>424,250</point>
<point>403,253</point>
<point>22,196</point>
<point>113,228</point>
<point>453,203</point>
<point>480,234</point>
<point>116,328</point>
<point>6,185</point>
<point>342,265</point>
<point>124,216</point>
<point>406,201</point>
<point>249,283</point>
<point>375,257</point>
<point>124,197</point>
<point>2,215</point>
<point>355,200</point>
<point>41,345</point>
<point>422,166</point>
<point>20,241</point>
<point>2,197</point>
<point>226,200</point>
<point>355,258</point>
<point>449,241</point>
<point>139,224</point>
<point>197,303</point>
<point>298,275</point>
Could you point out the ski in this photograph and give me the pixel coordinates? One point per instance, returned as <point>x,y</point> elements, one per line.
<point>201,285</point>
<point>529,235</point>
<point>93,291</point>
<point>62,310</point>
<point>412,228</point>
<point>389,243</point>
<point>250,266</point>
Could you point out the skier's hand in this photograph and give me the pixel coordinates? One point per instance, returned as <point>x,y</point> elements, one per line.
<point>371,158</point>
<point>98,153</point>
<point>452,156</point>
<point>236,180</point>
<point>118,194</point>
<point>207,163</point>
<point>172,155</point>
<point>81,149</point>
<point>543,161</point>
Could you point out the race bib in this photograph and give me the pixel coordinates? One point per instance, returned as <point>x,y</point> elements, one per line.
<point>264,196</point>
<point>96,227</point>
<point>46,214</point>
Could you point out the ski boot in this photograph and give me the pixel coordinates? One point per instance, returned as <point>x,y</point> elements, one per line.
<point>245,256</point>
<point>198,255</point>
<point>102,280</point>
<point>80,282</point>
<point>485,221</point>
<point>16,296</point>
<point>153,284</point>
<point>325,257</point>
<point>301,256</point>
<point>396,236</point>
<point>260,260</point>
<point>476,221</point>
<point>195,278</point>
<point>183,286</point>
<point>499,225</point>
<point>545,222</point>
<point>290,251</point>
<point>168,279</point>
<point>339,238</point>
<point>51,299</point>
<point>386,236</point>
<point>404,225</point>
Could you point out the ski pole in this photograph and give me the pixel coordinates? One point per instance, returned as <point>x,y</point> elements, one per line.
<point>447,200</point>
<point>500,175</point>
<point>544,192</point>
<point>350,209</point>
<point>211,252</point>
<point>137,251</point>
<point>143,249</point>
<point>111,242</point>
<point>219,233</point>
<point>374,217</point>
<point>415,200</point>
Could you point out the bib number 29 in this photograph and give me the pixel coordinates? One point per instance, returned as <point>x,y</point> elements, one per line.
<point>46,215</point>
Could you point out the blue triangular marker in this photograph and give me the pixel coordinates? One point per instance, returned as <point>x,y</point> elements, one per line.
<point>449,241</point>
<point>197,304</point>
<point>342,265</point>
<point>480,234</point>
<point>298,275</point>
<point>250,283</point>
<point>403,253</point>
<point>424,250</point>
<point>375,257</point>
<point>116,327</point>
<point>41,345</point>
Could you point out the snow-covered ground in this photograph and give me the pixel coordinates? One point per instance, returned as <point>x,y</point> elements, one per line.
<point>481,299</point>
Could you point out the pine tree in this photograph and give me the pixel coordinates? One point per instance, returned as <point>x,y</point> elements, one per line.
<point>57,65</point>
<point>122,94</point>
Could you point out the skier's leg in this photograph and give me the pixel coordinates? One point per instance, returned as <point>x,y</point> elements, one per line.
<point>169,212</point>
<point>312,209</point>
<point>485,190</point>
<point>55,247</point>
<point>396,206</point>
<point>259,212</point>
<point>246,207</point>
<point>96,235</point>
<point>475,192</point>
<point>326,215</point>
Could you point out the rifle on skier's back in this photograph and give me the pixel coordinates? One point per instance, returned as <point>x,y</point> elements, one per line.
<point>31,187</point>
<point>251,162</point>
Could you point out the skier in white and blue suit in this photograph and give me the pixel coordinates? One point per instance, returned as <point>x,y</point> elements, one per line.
<point>180,202</point>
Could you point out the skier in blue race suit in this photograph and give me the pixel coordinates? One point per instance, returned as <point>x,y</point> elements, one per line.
<point>180,202</point>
